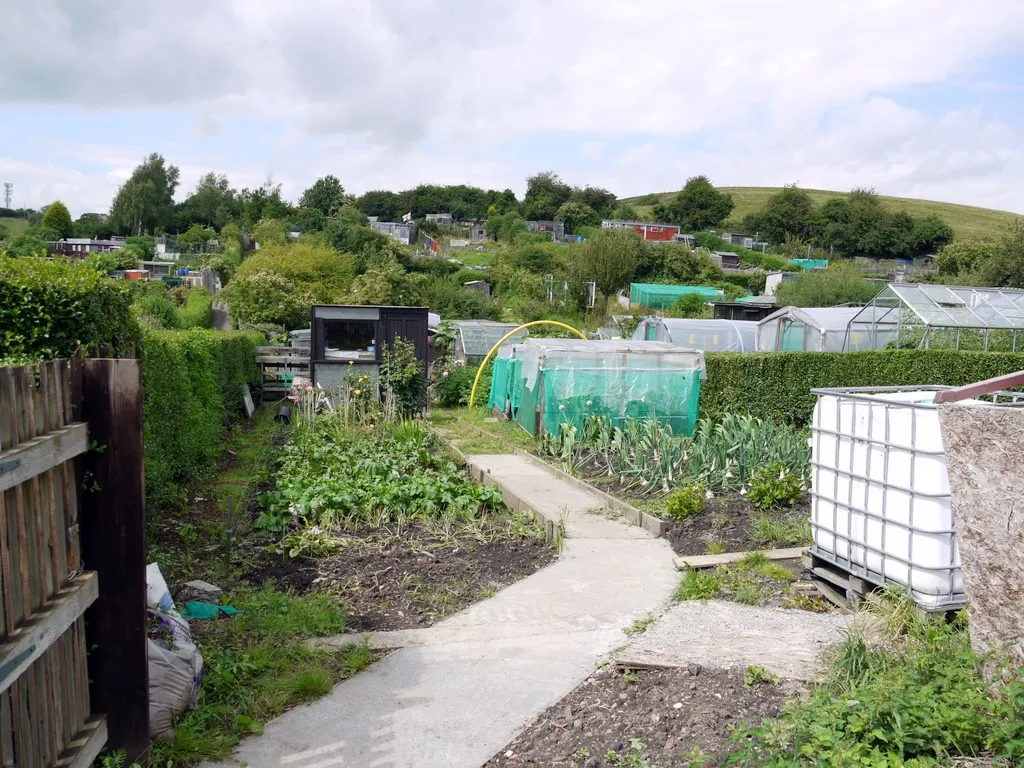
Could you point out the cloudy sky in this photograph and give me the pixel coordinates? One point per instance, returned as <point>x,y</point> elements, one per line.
<point>918,98</point>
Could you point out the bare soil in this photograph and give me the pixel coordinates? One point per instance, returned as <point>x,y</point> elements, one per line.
<point>657,718</point>
<point>729,520</point>
<point>391,580</point>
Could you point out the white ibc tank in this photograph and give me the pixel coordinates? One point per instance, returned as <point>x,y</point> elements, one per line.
<point>881,502</point>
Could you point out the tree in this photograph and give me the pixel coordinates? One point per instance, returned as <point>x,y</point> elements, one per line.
<point>625,212</point>
<point>692,305</point>
<point>213,203</point>
<point>545,193</point>
<point>57,217</point>
<point>841,283</point>
<point>145,202</point>
<point>195,238</point>
<point>964,256</point>
<point>326,195</point>
<point>601,201</point>
<point>387,283</point>
<point>263,203</point>
<point>93,225</point>
<point>385,205</point>
<point>930,234</point>
<point>610,258</point>
<point>268,297</point>
<point>785,215</point>
<point>271,232</point>
<point>576,215</point>
<point>1006,267</point>
<point>699,205</point>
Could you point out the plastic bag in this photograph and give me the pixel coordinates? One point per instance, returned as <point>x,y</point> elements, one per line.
<point>175,664</point>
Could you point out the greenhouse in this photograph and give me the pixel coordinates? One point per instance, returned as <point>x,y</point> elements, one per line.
<point>543,383</point>
<point>810,329</point>
<point>705,335</point>
<point>474,338</point>
<point>657,296</point>
<point>919,315</point>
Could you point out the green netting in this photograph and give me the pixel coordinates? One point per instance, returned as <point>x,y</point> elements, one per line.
<point>499,383</point>
<point>620,379</point>
<point>809,263</point>
<point>570,395</point>
<point>659,296</point>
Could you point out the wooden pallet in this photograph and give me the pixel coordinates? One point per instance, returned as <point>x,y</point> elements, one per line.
<point>849,591</point>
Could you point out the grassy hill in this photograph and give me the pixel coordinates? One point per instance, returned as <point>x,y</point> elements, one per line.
<point>967,221</point>
<point>14,226</point>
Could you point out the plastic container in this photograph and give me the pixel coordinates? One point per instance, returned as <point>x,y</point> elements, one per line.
<point>881,504</point>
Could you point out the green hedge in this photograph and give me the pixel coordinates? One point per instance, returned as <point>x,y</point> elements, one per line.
<point>778,385</point>
<point>48,309</point>
<point>192,388</point>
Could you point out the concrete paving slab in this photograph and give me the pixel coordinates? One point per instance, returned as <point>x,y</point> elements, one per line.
<point>727,635</point>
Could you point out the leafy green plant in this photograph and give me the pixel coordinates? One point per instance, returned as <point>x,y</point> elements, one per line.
<point>775,486</point>
<point>685,502</point>
<point>453,383</point>
<point>773,530</point>
<point>757,675</point>
<point>403,379</point>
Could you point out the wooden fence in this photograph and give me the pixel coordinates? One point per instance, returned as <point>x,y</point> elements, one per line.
<point>59,535</point>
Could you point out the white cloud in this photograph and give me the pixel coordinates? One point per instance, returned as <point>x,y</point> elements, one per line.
<point>406,91</point>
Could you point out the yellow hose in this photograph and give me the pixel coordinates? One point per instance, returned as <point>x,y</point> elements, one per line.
<point>506,337</point>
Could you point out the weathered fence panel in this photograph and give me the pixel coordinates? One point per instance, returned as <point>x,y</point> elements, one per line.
<point>72,563</point>
<point>45,712</point>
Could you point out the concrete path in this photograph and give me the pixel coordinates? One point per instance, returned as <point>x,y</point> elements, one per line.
<point>456,693</point>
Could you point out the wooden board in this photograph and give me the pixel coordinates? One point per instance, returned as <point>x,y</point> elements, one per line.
<point>710,561</point>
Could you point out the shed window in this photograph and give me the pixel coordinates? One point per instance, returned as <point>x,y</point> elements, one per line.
<point>350,339</point>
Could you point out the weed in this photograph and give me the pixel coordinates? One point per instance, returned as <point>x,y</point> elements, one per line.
<point>188,533</point>
<point>699,585</point>
<point>685,502</point>
<point>639,626</point>
<point>632,759</point>
<point>775,532</point>
<point>916,700</point>
<point>759,563</point>
<point>803,602</point>
<point>631,677</point>
<point>755,675</point>
<point>257,665</point>
<point>775,486</point>
<point>715,547</point>
<point>698,758</point>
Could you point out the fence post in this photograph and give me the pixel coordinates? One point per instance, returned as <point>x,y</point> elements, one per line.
<point>112,521</point>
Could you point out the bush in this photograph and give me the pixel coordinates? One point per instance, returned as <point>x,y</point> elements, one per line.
<point>49,309</point>
<point>157,311</point>
<point>775,486</point>
<point>192,387</point>
<point>684,502</point>
<point>777,386</point>
<point>841,283</point>
<point>453,384</point>
<point>402,379</point>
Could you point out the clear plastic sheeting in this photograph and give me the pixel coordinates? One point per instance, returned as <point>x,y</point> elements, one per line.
<point>911,315</point>
<point>548,382</point>
<point>474,338</point>
<point>705,335</point>
<point>813,329</point>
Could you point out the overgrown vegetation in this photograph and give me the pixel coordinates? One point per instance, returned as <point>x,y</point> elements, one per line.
<point>750,581</point>
<point>911,698</point>
<point>193,384</point>
<point>777,386</point>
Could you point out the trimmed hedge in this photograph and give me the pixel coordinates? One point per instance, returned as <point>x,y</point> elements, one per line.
<point>192,388</point>
<point>198,310</point>
<point>49,309</point>
<point>778,385</point>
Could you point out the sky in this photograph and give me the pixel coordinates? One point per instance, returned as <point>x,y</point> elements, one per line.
<point>914,98</point>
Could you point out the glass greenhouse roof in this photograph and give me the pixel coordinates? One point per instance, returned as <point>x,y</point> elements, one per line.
<point>952,306</point>
<point>476,337</point>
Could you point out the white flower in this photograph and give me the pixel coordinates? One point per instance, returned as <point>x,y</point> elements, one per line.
<point>561,407</point>
<point>782,475</point>
<point>294,509</point>
<point>709,495</point>
<point>743,491</point>
<point>589,403</point>
<point>445,374</point>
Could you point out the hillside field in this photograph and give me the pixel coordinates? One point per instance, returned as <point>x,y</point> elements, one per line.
<point>968,222</point>
<point>14,226</point>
